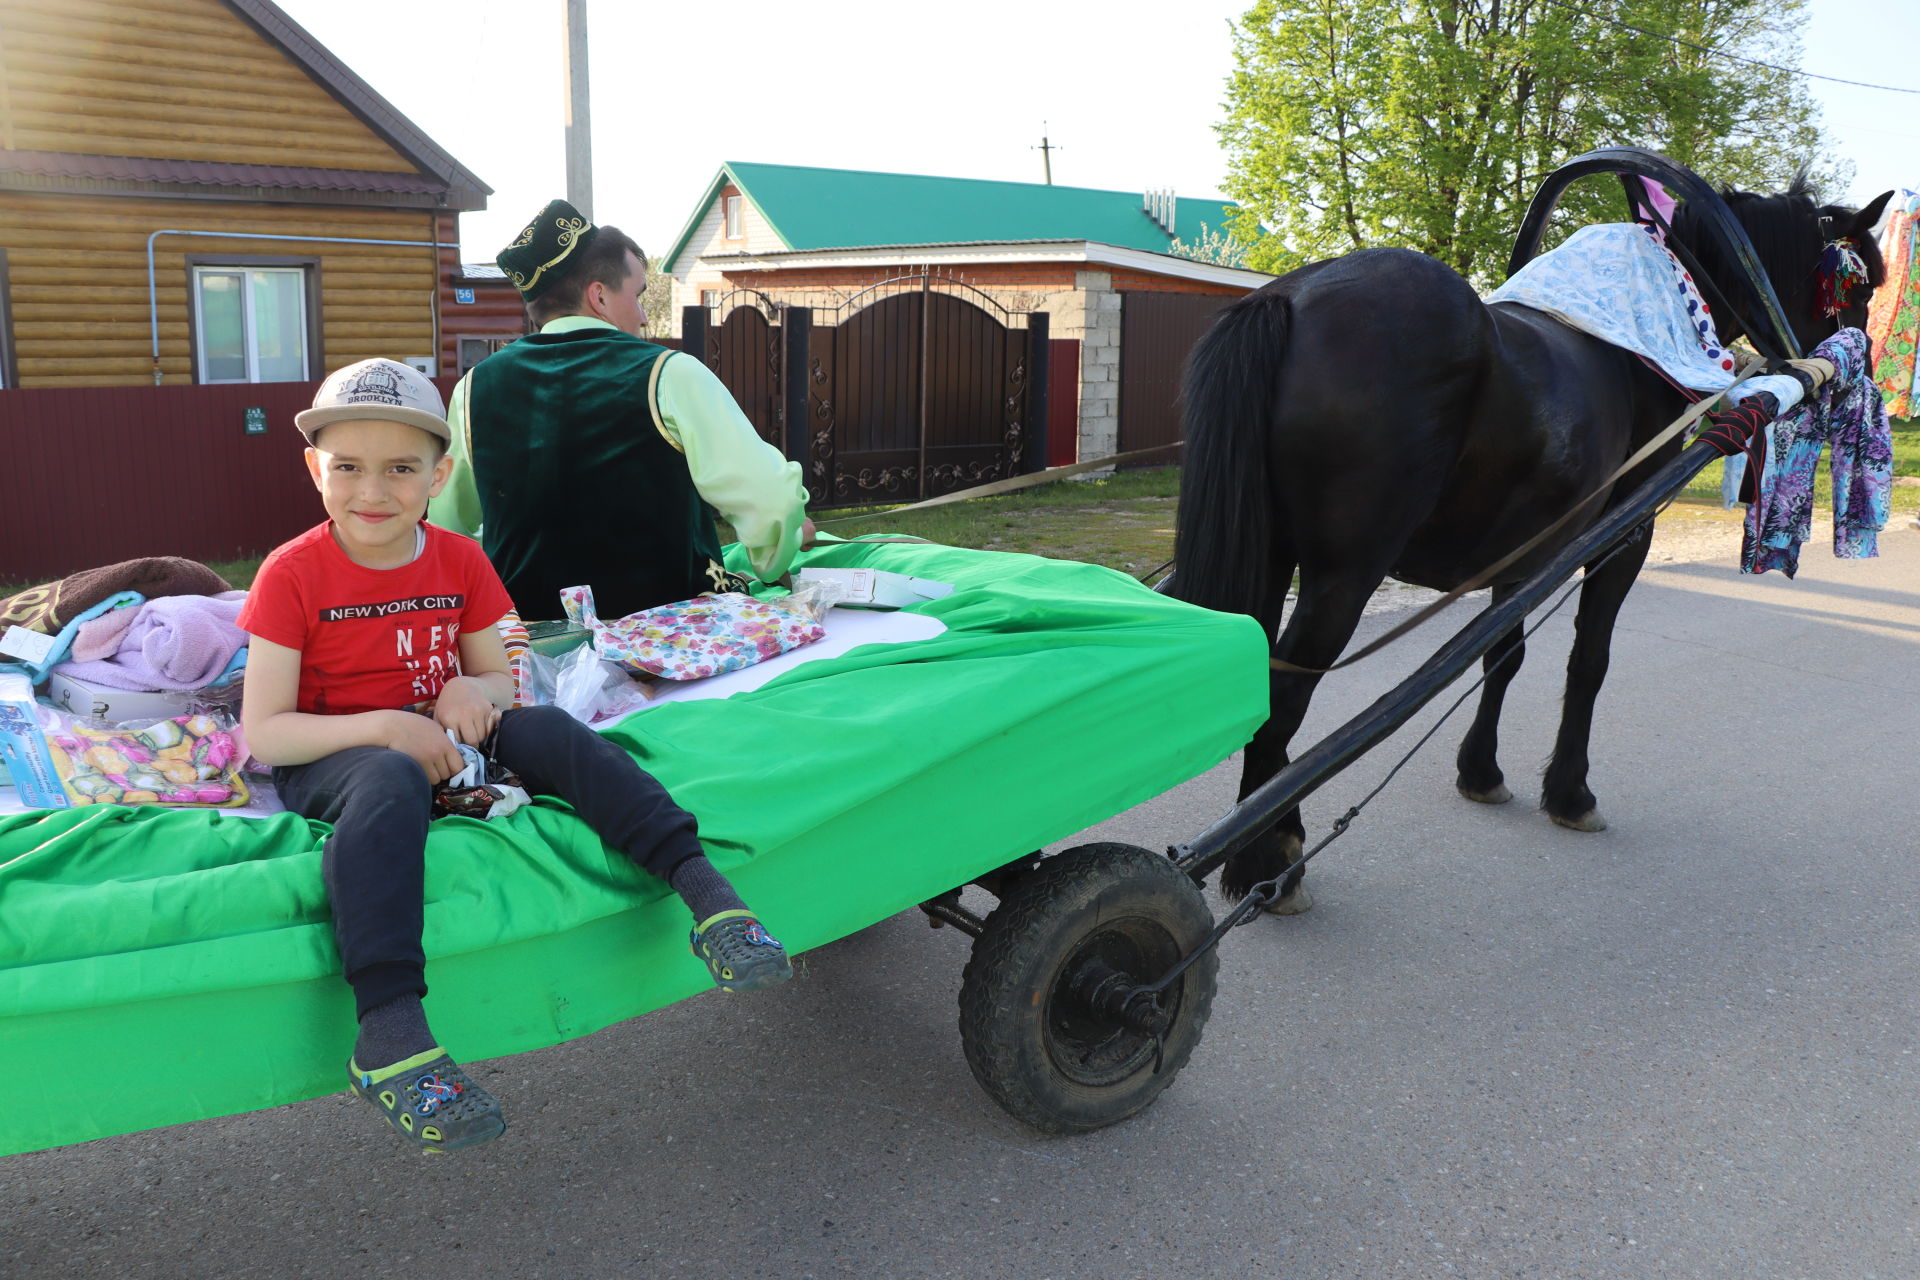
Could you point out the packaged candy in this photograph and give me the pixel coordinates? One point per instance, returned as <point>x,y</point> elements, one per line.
<point>188,760</point>
<point>697,638</point>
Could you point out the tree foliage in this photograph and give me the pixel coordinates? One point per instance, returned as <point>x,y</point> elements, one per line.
<point>1429,124</point>
<point>657,302</point>
<point>1221,248</point>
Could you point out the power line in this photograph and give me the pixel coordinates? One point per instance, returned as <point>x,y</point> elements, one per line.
<point>1721,53</point>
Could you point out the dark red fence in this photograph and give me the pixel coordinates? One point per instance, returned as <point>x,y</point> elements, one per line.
<point>93,475</point>
<point>1157,330</point>
<point>1063,401</point>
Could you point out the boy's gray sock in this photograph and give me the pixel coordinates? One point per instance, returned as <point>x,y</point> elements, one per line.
<point>391,1032</point>
<point>706,892</point>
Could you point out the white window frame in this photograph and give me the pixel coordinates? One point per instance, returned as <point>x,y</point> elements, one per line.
<point>731,207</point>
<point>709,298</point>
<point>492,341</point>
<point>245,270</point>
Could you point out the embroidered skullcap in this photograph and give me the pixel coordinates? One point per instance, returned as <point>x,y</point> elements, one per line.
<point>535,258</point>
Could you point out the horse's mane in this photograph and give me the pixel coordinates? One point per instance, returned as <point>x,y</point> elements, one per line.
<point>1788,229</point>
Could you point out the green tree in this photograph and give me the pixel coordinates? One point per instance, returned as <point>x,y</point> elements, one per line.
<point>1221,248</point>
<point>1429,124</point>
<point>657,302</point>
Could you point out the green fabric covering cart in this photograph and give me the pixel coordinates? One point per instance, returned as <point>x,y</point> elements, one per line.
<point>836,795</point>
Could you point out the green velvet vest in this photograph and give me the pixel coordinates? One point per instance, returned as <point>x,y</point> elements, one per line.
<point>578,482</point>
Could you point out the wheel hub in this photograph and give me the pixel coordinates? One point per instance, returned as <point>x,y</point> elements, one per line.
<point>1101,1027</point>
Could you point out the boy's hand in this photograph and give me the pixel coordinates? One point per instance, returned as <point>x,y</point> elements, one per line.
<point>426,742</point>
<point>467,708</point>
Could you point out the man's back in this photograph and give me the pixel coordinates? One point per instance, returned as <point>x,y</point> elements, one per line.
<point>578,483</point>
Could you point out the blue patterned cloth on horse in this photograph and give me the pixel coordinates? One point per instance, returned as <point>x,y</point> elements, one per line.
<point>1615,281</point>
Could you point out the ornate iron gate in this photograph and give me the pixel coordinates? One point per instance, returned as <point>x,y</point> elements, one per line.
<point>914,387</point>
<point>740,340</point>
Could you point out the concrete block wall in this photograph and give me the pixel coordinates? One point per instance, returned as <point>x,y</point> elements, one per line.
<point>1099,334</point>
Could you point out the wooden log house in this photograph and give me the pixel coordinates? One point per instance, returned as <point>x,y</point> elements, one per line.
<point>121,119</point>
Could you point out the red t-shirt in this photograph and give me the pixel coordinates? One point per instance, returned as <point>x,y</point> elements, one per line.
<point>373,639</point>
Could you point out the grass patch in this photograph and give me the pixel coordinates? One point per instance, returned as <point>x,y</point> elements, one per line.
<point>1124,523</point>
<point>1904,500</point>
<point>238,572</point>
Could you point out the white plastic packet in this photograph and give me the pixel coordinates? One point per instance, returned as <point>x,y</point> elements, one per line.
<point>590,689</point>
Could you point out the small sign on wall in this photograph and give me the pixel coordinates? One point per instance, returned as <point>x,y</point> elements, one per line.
<point>463,295</point>
<point>256,422</point>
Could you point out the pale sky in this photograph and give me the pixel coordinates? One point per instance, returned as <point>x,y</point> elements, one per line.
<point>1130,90</point>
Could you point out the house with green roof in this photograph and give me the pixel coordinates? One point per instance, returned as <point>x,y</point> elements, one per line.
<point>1099,263</point>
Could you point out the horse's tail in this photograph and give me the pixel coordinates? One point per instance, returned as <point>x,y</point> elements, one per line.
<point>1224,547</point>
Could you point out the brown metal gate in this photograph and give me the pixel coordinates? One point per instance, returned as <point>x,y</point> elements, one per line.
<point>914,387</point>
<point>1156,332</point>
<point>741,341</point>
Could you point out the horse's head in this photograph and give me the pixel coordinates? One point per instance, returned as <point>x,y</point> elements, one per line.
<point>1822,259</point>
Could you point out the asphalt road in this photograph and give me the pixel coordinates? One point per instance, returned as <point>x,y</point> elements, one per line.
<point>1684,1047</point>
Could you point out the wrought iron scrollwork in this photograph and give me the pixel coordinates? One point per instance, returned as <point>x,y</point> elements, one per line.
<point>888,479</point>
<point>820,444</point>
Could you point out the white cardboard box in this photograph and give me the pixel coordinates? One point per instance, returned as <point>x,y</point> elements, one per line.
<point>877,588</point>
<point>115,706</point>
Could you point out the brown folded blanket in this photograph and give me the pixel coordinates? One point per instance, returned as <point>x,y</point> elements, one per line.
<point>50,607</point>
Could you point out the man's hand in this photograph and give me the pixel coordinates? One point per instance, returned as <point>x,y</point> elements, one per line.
<point>466,707</point>
<point>808,532</point>
<point>425,741</point>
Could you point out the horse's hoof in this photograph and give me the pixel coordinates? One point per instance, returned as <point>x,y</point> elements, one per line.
<point>1296,903</point>
<point>1496,794</point>
<point>1588,821</point>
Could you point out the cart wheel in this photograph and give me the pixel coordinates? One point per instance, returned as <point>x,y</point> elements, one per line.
<point>1040,1002</point>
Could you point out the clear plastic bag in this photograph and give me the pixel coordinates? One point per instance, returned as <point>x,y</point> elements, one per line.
<point>543,674</point>
<point>188,760</point>
<point>813,597</point>
<point>591,689</point>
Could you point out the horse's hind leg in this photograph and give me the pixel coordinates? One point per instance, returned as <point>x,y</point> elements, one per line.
<point>1564,795</point>
<point>1322,621</point>
<point>1479,776</point>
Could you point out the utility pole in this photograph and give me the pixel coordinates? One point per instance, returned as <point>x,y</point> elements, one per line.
<point>579,116</point>
<point>1046,150</point>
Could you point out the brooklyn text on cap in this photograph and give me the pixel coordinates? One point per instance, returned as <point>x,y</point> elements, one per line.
<point>377,389</point>
<point>543,244</point>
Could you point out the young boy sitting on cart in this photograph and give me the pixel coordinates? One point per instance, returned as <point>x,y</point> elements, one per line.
<point>374,649</point>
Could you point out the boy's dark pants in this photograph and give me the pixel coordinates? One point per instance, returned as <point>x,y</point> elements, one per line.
<point>378,801</point>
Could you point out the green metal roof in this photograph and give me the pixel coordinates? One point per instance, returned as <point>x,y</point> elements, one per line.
<point>850,208</point>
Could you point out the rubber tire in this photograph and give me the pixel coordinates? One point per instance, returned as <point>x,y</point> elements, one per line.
<point>1114,898</point>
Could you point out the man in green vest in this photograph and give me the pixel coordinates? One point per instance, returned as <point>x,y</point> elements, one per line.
<point>584,454</point>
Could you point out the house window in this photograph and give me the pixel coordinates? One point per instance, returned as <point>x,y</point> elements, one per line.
<point>9,372</point>
<point>470,351</point>
<point>709,298</point>
<point>732,204</point>
<point>251,323</point>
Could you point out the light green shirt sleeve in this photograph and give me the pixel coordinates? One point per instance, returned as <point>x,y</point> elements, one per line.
<point>458,505</point>
<point>740,475</point>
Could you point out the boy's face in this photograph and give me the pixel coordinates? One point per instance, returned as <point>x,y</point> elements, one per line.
<point>374,478</point>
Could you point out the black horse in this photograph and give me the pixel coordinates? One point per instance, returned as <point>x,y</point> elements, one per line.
<point>1369,416</point>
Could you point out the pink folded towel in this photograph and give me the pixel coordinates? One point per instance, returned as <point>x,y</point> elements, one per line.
<point>100,637</point>
<point>175,642</point>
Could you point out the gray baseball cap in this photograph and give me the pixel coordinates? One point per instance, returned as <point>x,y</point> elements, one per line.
<point>377,388</point>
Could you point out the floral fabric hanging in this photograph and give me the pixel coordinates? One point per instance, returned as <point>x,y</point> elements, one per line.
<point>1893,323</point>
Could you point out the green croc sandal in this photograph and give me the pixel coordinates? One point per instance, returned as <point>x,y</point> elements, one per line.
<point>739,952</point>
<point>431,1102</point>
